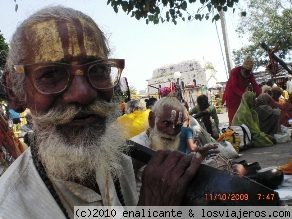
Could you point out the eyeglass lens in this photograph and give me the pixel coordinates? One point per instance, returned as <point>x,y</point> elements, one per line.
<point>55,78</point>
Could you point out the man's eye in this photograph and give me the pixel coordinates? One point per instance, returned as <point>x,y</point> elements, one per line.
<point>167,123</point>
<point>50,75</point>
<point>99,72</point>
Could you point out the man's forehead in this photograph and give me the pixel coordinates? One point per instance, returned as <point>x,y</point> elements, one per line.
<point>54,40</point>
<point>171,111</point>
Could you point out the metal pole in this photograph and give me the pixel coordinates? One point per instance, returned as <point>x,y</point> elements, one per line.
<point>225,39</point>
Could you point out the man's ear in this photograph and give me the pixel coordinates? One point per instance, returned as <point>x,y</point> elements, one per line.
<point>151,119</point>
<point>13,101</point>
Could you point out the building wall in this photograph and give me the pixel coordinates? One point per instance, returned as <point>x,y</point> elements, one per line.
<point>164,76</point>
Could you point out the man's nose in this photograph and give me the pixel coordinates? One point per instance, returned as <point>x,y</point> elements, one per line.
<point>80,91</point>
<point>173,130</point>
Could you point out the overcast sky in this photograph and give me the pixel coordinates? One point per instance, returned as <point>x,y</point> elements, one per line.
<point>145,47</point>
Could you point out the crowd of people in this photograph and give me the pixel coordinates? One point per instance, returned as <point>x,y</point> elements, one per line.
<point>59,68</point>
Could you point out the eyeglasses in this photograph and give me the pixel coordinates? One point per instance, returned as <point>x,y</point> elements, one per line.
<point>54,78</point>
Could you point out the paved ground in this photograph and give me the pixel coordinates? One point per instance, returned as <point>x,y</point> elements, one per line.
<point>268,156</point>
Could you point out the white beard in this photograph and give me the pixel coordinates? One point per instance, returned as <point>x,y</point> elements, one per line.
<point>66,161</point>
<point>86,152</point>
<point>159,143</point>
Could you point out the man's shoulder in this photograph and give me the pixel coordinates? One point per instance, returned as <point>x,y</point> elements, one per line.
<point>14,174</point>
<point>235,71</point>
<point>20,186</point>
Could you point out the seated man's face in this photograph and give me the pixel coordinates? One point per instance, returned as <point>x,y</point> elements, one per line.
<point>71,126</point>
<point>165,133</point>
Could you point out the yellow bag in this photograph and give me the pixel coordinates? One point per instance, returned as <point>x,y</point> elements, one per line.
<point>134,123</point>
<point>231,136</point>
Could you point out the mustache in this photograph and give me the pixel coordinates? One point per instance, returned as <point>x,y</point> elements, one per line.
<point>165,137</point>
<point>63,114</point>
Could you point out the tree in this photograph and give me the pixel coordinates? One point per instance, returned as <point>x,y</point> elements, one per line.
<point>268,21</point>
<point>156,11</point>
<point>133,91</point>
<point>3,51</point>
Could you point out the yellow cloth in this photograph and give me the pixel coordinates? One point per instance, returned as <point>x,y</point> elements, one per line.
<point>134,123</point>
<point>285,94</point>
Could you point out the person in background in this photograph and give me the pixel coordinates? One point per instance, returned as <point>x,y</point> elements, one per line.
<point>247,115</point>
<point>58,67</point>
<point>187,142</point>
<point>150,102</point>
<point>204,111</point>
<point>289,84</point>
<point>239,79</point>
<point>165,122</point>
<point>135,120</point>
<point>277,94</point>
<point>14,116</point>
<point>122,107</point>
<point>10,146</point>
<point>285,93</point>
<point>269,118</point>
<point>133,105</point>
<point>266,89</point>
<point>286,112</point>
<point>27,129</point>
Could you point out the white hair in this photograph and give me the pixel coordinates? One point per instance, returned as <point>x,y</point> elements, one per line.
<point>168,101</point>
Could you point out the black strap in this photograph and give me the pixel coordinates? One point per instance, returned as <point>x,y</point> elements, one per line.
<point>119,191</point>
<point>244,134</point>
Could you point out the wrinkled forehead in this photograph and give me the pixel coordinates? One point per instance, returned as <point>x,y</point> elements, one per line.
<point>54,40</point>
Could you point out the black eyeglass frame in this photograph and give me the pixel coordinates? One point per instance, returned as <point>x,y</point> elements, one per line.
<point>118,63</point>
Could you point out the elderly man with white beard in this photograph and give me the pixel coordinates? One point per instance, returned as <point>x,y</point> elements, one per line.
<point>164,129</point>
<point>165,121</point>
<point>58,66</point>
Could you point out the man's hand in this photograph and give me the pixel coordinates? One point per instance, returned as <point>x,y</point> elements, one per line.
<point>208,150</point>
<point>166,178</point>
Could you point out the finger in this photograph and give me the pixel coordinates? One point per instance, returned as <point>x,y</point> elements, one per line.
<point>182,165</point>
<point>154,169</point>
<point>159,157</point>
<point>171,160</point>
<point>191,170</point>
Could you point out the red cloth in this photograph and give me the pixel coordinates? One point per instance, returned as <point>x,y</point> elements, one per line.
<point>235,87</point>
<point>231,113</point>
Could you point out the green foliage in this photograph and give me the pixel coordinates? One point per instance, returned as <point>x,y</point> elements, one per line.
<point>210,66</point>
<point>3,51</point>
<point>268,21</point>
<point>133,91</point>
<point>156,11</point>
